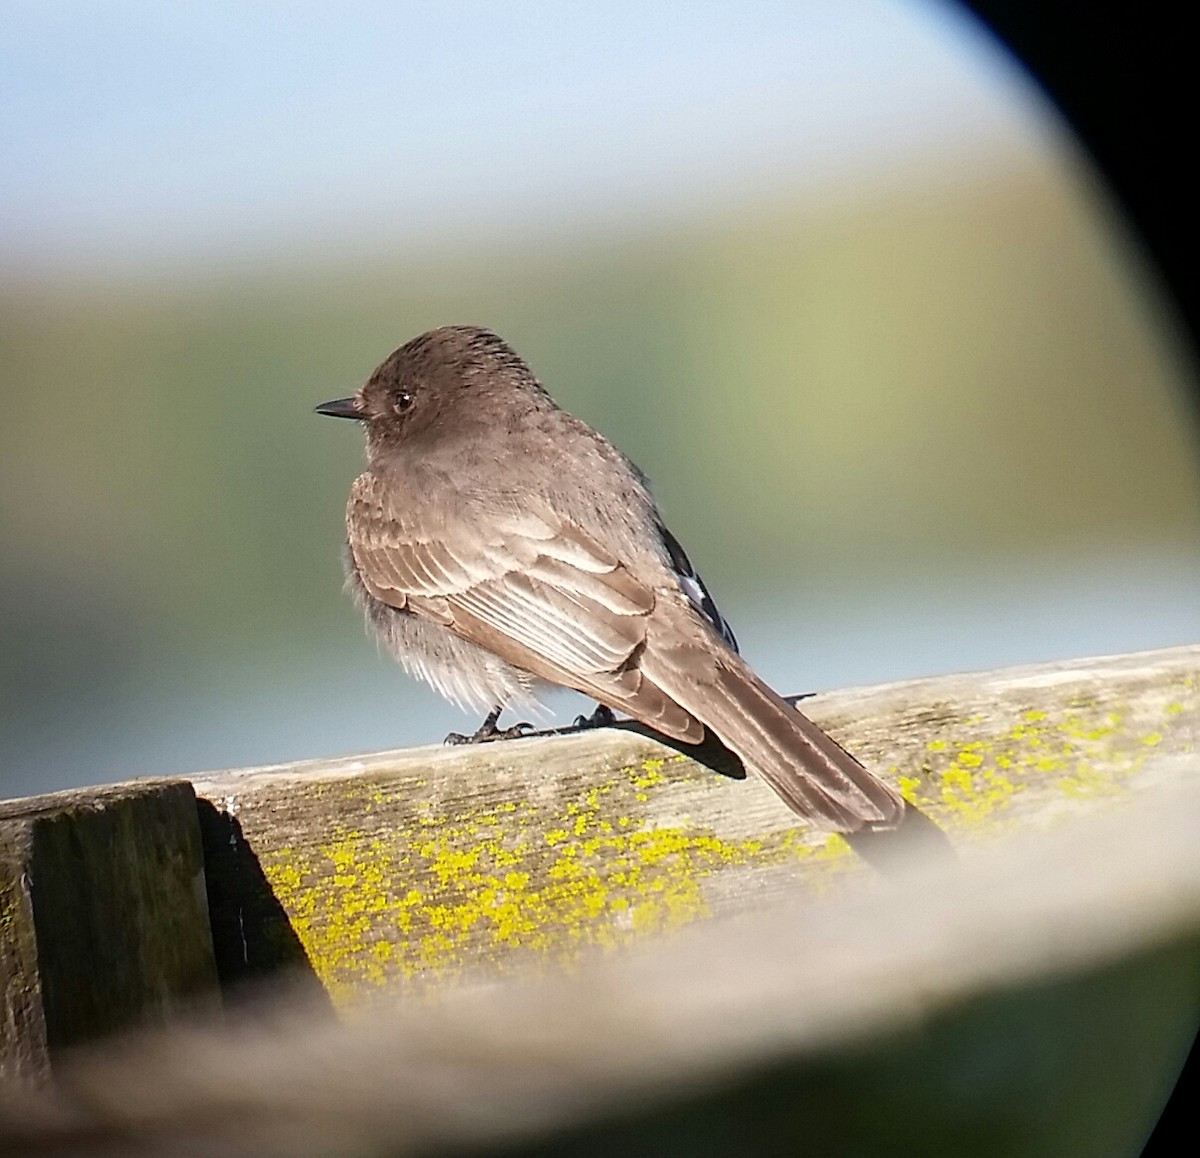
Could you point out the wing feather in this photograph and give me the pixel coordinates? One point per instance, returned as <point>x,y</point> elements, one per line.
<point>533,589</point>
<point>615,590</point>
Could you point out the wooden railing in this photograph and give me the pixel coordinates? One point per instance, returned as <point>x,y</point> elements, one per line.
<point>1063,933</point>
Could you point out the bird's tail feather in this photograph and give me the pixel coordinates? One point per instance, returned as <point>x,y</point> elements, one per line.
<point>813,774</point>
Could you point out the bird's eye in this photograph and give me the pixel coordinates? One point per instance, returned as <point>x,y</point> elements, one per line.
<point>402,401</point>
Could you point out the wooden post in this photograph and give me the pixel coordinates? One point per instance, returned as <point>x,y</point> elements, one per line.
<point>103,917</point>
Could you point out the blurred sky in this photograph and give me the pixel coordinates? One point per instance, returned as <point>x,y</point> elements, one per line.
<point>832,272</point>
<point>137,133</point>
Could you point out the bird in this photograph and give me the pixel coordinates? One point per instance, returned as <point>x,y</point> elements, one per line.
<point>497,546</point>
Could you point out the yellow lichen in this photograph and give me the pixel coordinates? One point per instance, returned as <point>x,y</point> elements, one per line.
<point>405,888</point>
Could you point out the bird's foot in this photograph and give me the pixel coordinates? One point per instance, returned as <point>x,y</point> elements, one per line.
<point>602,717</point>
<point>487,732</point>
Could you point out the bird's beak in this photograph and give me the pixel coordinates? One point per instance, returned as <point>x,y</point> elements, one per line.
<point>341,408</point>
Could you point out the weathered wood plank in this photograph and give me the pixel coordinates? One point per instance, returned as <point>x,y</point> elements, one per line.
<point>23,1052</point>
<point>407,866</point>
<point>1032,1000</point>
<point>102,914</point>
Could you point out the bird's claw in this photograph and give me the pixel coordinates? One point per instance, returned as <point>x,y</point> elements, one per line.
<point>602,717</point>
<point>487,735</point>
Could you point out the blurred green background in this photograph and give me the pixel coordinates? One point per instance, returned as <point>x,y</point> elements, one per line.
<point>910,401</point>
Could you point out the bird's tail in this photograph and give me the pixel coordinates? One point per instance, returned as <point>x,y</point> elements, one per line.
<point>813,774</point>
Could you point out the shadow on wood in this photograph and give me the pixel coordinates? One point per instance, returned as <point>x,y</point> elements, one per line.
<point>254,943</point>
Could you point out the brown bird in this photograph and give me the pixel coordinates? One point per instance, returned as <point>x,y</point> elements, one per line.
<point>497,544</point>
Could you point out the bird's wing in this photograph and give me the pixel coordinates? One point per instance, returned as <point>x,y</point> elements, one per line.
<point>545,596</point>
<point>536,590</point>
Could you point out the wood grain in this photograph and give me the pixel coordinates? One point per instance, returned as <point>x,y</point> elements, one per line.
<point>103,917</point>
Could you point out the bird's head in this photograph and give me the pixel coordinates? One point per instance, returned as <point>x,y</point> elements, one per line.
<point>445,380</point>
